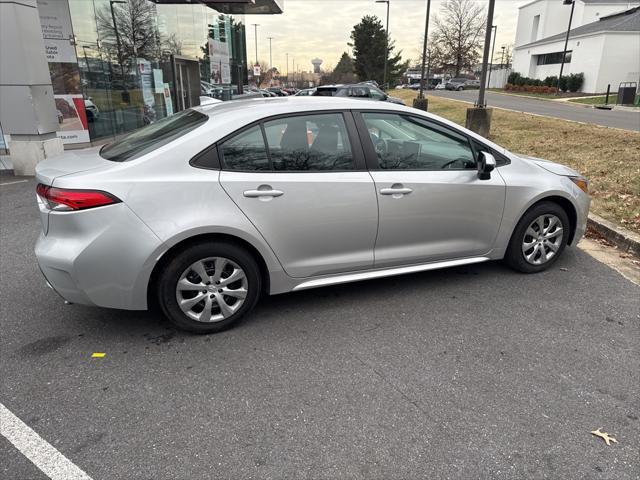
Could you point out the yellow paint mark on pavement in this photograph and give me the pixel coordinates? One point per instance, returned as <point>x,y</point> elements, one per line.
<point>98,355</point>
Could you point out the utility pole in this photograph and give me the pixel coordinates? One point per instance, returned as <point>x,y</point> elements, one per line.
<point>424,52</point>
<point>493,49</point>
<point>485,58</point>
<point>287,66</point>
<point>502,58</point>
<point>386,48</point>
<point>566,41</point>
<point>255,26</point>
<point>479,117</point>
<point>270,57</point>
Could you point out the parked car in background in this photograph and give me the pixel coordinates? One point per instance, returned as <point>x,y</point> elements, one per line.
<point>278,91</point>
<point>462,84</point>
<point>204,211</point>
<point>441,86</point>
<point>358,90</point>
<point>91,109</point>
<point>306,92</point>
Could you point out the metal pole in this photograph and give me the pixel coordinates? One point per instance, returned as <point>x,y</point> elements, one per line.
<point>255,26</point>
<point>386,50</point>
<point>566,43</point>
<point>502,58</point>
<point>487,45</point>
<point>493,49</point>
<point>424,50</point>
<point>270,57</point>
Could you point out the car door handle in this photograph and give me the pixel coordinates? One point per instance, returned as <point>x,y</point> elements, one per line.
<point>263,193</point>
<point>395,191</point>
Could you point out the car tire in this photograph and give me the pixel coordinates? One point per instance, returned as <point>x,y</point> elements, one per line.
<point>530,249</point>
<point>460,89</point>
<point>196,294</point>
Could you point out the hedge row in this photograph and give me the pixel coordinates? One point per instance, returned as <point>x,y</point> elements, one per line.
<point>571,83</point>
<point>530,88</point>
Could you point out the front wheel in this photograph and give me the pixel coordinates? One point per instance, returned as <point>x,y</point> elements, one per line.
<point>539,238</point>
<point>208,287</point>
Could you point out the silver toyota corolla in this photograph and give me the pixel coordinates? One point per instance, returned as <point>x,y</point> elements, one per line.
<point>203,211</point>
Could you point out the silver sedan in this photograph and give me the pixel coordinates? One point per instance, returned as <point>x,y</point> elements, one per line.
<point>204,211</point>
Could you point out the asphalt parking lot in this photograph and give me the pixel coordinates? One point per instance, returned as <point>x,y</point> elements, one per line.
<point>474,372</point>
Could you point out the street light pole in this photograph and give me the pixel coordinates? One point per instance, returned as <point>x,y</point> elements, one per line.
<point>424,50</point>
<point>255,27</point>
<point>493,49</point>
<point>566,41</point>
<point>485,58</point>
<point>270,57</point>
<point>386,48</point>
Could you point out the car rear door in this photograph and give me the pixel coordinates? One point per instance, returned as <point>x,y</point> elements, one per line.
<point>432,204</point>
<point>302,181</point>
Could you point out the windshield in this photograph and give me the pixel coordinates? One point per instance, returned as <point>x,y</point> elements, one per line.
<point>153,136</point>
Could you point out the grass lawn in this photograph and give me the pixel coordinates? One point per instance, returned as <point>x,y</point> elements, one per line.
<point>609,158</point>
<point>599,100</point>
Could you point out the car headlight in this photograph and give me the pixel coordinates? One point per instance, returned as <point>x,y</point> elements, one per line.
<point>582,183</point>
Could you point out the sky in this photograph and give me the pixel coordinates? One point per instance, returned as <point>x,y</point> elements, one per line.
<point>321,28</point>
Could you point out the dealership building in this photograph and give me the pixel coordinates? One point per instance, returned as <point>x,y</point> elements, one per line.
<point>79,72</point>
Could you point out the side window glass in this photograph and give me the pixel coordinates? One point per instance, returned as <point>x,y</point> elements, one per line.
<point>405,143</point>
<point>309,143</point>
<point>246,151</point>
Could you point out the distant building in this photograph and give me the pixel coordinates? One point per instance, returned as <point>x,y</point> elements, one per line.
<point>316,62</point>
<point>604,41</point>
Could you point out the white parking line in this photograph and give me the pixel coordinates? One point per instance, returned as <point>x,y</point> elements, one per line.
<point>43,455</point>
<point>12,183</point>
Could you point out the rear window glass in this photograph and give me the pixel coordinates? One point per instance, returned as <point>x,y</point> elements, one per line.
<point>153,136</point>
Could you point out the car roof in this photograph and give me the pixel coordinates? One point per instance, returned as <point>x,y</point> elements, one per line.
<point>230,116</point>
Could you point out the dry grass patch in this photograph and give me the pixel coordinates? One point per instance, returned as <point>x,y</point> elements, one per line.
<point>609,158</point>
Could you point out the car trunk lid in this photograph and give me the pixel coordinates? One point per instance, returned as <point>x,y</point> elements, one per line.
<point>70,162</point>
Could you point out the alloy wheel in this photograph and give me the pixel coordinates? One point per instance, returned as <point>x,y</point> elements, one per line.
<point>211,289</point>
<point>542,239</point>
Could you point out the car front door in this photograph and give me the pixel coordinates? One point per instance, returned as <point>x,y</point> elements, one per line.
<point>302,181</point>
<point>432,204</point>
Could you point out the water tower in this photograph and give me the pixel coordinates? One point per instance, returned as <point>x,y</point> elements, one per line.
<point>316,62</point>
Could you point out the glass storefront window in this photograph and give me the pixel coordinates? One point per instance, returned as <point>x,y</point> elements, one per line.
<point>140,61</point>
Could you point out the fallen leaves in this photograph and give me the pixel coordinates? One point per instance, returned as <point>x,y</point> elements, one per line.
<point>604,436</point>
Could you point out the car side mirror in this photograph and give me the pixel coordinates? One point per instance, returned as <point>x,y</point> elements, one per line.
<point>486,164</point>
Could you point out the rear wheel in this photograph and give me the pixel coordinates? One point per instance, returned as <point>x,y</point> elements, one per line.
<point>539,238</point>
<point>208,287</point>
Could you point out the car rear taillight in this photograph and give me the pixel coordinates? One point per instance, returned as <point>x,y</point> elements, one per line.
<point>62,199</point>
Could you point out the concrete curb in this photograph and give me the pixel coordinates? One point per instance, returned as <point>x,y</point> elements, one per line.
<point>625,240</point>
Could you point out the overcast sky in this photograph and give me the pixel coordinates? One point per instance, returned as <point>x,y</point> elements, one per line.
<point>321,28</point>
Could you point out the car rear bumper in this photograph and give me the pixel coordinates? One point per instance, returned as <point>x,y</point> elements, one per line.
<point>100,257</point>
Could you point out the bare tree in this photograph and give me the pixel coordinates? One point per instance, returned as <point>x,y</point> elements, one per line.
<point>458,33</point>
<point>135,30</point>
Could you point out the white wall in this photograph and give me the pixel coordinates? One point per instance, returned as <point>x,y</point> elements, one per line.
<point>587,53</point>
<point>620,62</point>
<point>554,17</point>
<point>606,58</point>
<point>594,11</point>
